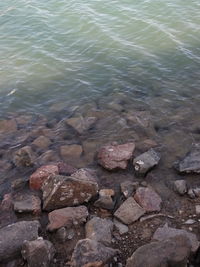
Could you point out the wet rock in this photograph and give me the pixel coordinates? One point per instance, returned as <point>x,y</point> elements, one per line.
<point>166,232</point>
<point>128,188</point>
<point>129,212</point>
<point>99,230</point>
<point>13,236</point>
<point>42,142</point>
<point>67,217</point>
<point>24,157</point>
<point>191,162</point>
<point>91,253</point>
<point>180,186</point>
<point>85,174</point>
<point>27,203</point>
<point>146,161</point>
<point>71,151</point>
<point>41,175</point>
<point>148,199</point>
<point>38,252</point>
<point>81,124</point>
<point>171,252</point>
<point>65,191</point>
<point>121,228</point>
<point>105,200</point>
<point>8,126</point>
<point>65,168</point>
<point>115,156</point>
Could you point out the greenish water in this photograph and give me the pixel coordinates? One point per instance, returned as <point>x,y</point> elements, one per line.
<point>78,51</point>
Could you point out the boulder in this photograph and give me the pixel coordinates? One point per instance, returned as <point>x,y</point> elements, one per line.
<point>27,203</point>
<point>146,161</point>
<point>40,176</point>
<point>105,200</point>
<point>129,212</point>
<point>148,199</point>
<point>71,151</point>
<point>13,236</point>
<point>38,252</point>
<point>24,157</point>
<point>42,142</point>
<point>180,186</point>
<point>8,126</point>
<point>67,217</point>
<point>91,253</point>
<point>171,252</point>
<point>81,124</point>
<point>115,156</point>
<point>99,230</point>
<point>65,191</point>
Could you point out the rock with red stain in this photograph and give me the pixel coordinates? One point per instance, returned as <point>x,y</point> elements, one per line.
<point>148,199</point>
<point>65,168</point>
<point>67,217</point>
<point>40,175</point>
<point>27,203</point>
<point>115,156</point>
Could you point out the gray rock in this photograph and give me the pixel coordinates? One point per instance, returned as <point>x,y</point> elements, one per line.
<point>191,193</point>
<point>105,200</point>
<point>27,203</point>
<point>128,188</point>
<point>99,230</point>
<point>13,236</point>
<point>197,191</point>
<point>180,186</point>
<point>129,212</point>
<point>121,228</point>
<point>146,161</point>
<point>38,252</point>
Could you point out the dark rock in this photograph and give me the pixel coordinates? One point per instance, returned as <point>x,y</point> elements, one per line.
<point>65,191</point>
<point>128,188</point>
<point>24,157</point>
<point>115,156</point>
<point>105,200</point>
<point>13,236</point>
<point>99,230</point>
<point>27,203</point>
<point>67,217</point>
<point>129,212</point>
<point>91,253</point>
<point>65,168</point>
<point>81,124</point>
<point>180,186</point>
<point>38,252</point>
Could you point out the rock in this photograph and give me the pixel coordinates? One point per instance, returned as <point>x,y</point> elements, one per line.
<point>115,156</point>
<point>105,200</point>
<point>13,236</point>
<point>65,168</point>
<point>148,199</point>
<point>166,232</point>
<point>146,161</point>
<point>128,188</point>
<point>67,217</point>
<point>71,151</point>
<point>27,203</point>
<point>121,228</point>
<point>191,193</point>
<point>171,252</point>
<point>180,186</point>
<point>47,157</point>
<point>19,184</point>
<point>189,221</point>
<point>63,234</point>
<point>8,126</point>
<point>191,162</point>
<point>129,211</point>
<point>38,252</point>
<point>91,253</point>
<point>86,174</point>
<point>197,208</point>
<point>42,142</point>
<point>65,191</point>
<point>7,214</point>
<point>24,157</point>
<point>81,124</point>
<point>197,191</point>
<point>41,175</point>
<point>99,230</point>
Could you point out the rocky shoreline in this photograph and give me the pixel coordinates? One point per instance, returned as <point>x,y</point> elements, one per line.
<point>71,198</point>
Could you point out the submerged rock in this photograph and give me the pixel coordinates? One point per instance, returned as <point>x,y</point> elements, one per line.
<point>81,124</point>
<point>115,156</point>
<point>42,142</point>
<point>71,151</point>
<point>24,157</point>
<point>8,126</point>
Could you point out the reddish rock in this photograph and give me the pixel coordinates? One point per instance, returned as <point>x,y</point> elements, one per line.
<point>40,175</point>
<point>81,124</point>
<point>148,199</point>
<point>42,142</point>
<point>115,156</point>
<point>67,217</point>
<point>8,126</point>
<point>27,203</point>
<point>24,157</point>
<point>65,168</point>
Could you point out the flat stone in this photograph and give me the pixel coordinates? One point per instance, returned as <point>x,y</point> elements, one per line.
<point>99,230</point>
<point>128,188</point>
<point>40,176</point>
<point>115,156</point>
<point>148,199</point>
<point>38,252</point>
<point>67,217</point>
<point>81,124</point>
<point>65,191</point>
<point>146,161</point>
<point>129,212</point>
<point>24,157</point>
<point>8,126</point>
<point>180,186</point>
<point>13,236</point>
<point>27,203</point>
<point>121,228</point>
<point>71,151</point>
<point>166,232</point>
<point>91,253</point>
<point>42,142</point>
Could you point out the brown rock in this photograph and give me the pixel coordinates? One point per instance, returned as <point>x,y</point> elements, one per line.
<point>42,142</point>
<point>40,175</point>
<point>67,217</point>
<point>89,253</point>
<point>148,199</point>
<point>81,124</point>
<point>128,188</point>
<point>64,191</point>
<point>115,156</point>
<point>71,151</point>
<point>8,126</point>
<point>65,168</point>
<point>24,157</point>
<point>27,203</point>
<point>129,211</point>
<point>86,174</point>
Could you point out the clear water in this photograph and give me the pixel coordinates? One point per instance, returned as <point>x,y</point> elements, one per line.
<point>74,51</point>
